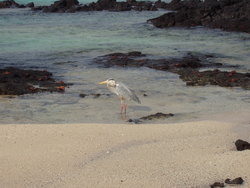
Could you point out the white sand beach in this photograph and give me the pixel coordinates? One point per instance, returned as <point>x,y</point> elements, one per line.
<point>194,154</point>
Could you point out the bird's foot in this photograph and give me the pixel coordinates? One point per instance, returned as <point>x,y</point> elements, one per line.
<point>123,116</point>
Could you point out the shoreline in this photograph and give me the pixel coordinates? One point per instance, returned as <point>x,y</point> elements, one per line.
<point>192,154</point>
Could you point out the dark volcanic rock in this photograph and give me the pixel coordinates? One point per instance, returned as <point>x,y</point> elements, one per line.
<point>100,5</point>
<point>217,184</point>
<point>94,95</point>
<point>13,4</point>
<point>62,6</point>
<point>230,15</point>
<point>187,67</point>
<point>9,4</point>
<point>215,77</point>
<point>242,145</point>
<point>135,121</point>
<point>15,81</point>
<point>30,5</point>
<point>236,181</point>
<point>161,4</point>
<point>158,115</point>
<point>137,59</point>
<point>105,4</point>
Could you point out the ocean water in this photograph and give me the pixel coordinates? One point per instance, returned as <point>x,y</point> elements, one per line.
<point>66,44</point>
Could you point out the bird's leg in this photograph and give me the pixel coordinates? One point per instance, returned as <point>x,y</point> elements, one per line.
<point>123,106</point>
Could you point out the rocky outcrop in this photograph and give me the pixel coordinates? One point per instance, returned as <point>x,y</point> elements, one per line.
<point>100,5</point>
<point>229,15</point>
<point>62,6</point>
<point>13,4</point>
<point>9,4</point>
<point>15,81</point>
<point>187,67</point>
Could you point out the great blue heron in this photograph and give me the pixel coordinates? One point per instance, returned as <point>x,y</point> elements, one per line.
<point>123,92</point>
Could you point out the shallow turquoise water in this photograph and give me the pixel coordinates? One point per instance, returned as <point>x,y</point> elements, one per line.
<point>66,44</point>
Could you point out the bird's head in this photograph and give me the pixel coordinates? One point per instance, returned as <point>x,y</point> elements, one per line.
<point>110,82</point>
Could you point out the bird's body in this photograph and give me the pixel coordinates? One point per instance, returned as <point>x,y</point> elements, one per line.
<point>124,93</point>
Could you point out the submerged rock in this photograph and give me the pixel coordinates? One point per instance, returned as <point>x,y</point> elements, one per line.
<point>215,77</point>
<point>137,59</point>
<point>187,67</point>
<point>229,15</point>
<point>82,95</point>
<point>135,121</point>
<point>94,95</point>
<point>156,116</point>
<point>14,81</point>
<point>242,145</point>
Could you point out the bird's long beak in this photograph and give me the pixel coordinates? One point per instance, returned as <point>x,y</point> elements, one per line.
<point>104,82</point>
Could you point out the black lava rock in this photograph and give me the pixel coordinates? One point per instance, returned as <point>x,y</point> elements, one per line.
<point>217,184</point>
<point>242,145</point>
<point>109,5</point>
<point>230,15</point>
<point>236,181</point>
<point>14,81</point>
<point>158,115</point>
<point>187,67</point>
<point>10,4</point>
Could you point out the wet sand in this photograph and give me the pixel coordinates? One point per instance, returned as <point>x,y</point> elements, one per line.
<point>194,154</point>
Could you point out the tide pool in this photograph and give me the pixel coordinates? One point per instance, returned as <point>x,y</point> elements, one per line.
<point>66,44</point>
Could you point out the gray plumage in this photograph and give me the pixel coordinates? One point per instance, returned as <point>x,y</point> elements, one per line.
<point>123,91</point>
